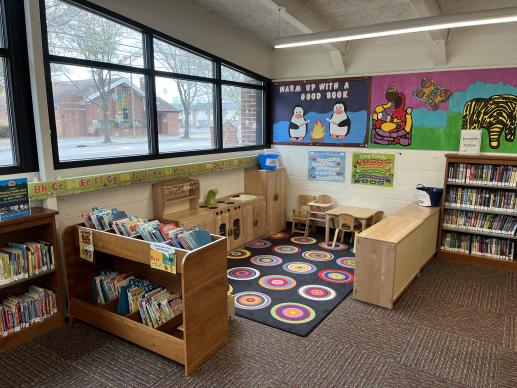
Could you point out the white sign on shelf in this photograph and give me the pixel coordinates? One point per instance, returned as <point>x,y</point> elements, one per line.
<point>470,141</point>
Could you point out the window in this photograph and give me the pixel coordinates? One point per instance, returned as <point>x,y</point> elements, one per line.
<point>120,91</point>
<point>17,139</point>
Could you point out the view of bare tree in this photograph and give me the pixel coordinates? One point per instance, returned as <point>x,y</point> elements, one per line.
<point>73,31</point>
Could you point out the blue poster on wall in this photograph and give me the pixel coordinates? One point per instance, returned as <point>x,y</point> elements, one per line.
<point>326,166</point>
<point>321,112</point>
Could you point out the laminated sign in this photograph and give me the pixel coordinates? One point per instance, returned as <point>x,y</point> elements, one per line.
<point>86,244</point>
<point>162,257</point>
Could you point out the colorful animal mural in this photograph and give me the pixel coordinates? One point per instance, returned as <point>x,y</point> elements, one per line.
<point>496,114</point>
<point>431,93</point>
<point>437,105</point>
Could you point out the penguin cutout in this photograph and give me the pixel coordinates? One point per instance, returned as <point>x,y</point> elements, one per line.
<point>298,125</point>
<point>339,123</point>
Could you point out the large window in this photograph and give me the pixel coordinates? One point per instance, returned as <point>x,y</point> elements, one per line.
<point>120,91</point>
<point>17,141</point>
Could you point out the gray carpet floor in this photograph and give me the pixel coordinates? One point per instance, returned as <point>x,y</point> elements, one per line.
<point>456,326</point>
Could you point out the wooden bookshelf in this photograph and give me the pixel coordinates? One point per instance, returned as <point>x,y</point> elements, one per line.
<point>201,278</point>
<point>471,257</point>
<point>40,225</point>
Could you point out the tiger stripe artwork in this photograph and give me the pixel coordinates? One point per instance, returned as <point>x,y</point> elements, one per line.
<point>428,110</point>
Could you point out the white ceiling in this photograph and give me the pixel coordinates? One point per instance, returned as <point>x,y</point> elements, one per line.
<point>263,19</point>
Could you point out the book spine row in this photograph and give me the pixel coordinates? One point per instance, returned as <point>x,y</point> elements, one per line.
<point>488,174</point>
<point>482,199</point>
<point>484,222</point>
<point>19,312</point>
<point>489,247</point>
<point>19,261</point>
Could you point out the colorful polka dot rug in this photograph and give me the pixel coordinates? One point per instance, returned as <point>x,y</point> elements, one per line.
<point>290,282</point>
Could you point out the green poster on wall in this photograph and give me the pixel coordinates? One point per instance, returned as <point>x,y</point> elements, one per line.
<point>373,169</point>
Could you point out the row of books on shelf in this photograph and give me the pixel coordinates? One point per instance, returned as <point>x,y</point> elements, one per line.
<point>479,245</point>
<point>482,199</point>
<point>155,304</point>
<point>19,261</point>
<point>152,231</point>
<point>19,312</point>
<point>483,174</point>
<point>493,223</point>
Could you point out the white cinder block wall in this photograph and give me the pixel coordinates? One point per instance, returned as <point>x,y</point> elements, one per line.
<point>411,168</point>
<point>478,47</point>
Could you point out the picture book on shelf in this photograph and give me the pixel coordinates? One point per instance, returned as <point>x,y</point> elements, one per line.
<point>155,304</point>
<point>21,260</point>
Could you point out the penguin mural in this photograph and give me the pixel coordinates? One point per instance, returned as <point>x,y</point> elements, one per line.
<point>339,123</point>
<point>298,125</point>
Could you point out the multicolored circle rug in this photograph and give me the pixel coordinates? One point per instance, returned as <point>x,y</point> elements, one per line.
<point>277,282</point>
<point>293,313</point>
<point>347,262</point>
<point>266,260</point>
<point>237,254</point>
<point>303,240</point>
<point>317,292</point>
<point>251,300</point>
<point>259,244</point>
<point>317,255</point>
<point>286,249</point>
<point>242,273</point>
<point>339,246</point>
<point>336,276</point>
<point>291,285</point>
<point>279,236</point>
<point>299,267</point>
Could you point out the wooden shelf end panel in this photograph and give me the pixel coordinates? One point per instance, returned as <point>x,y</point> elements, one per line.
<point>204,289</point>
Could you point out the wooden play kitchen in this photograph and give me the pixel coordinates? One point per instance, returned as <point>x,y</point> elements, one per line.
<point>201,279</point>
<point>241,217</point>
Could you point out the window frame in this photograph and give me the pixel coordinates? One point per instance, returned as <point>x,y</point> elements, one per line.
<point>18,89</point>
<point>149,34</point>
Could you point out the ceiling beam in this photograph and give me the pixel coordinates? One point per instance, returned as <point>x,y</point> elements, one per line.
<point>426,8</point>
<point>301,17</point>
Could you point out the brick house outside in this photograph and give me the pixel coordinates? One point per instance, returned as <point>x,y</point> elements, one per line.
<point>79,112</point>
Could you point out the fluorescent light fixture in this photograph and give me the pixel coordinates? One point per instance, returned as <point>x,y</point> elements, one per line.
<point>493,16</point>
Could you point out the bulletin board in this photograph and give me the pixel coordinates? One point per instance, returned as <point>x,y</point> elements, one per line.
<point>330,112</point>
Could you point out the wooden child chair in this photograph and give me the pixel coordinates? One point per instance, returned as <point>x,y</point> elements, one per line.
<point>378,216</point>
<point>317,211</point>
<point>346,223</point>
<point>300,214</point>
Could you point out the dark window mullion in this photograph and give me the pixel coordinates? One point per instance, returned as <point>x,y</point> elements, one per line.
<point>218,101</point>
<point>101,65</point>
<point>152,103</point>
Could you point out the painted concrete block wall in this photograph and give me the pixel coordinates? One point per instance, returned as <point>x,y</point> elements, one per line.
<point>411,168</point>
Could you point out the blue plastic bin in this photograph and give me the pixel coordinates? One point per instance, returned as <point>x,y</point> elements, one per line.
<point>269,161</point>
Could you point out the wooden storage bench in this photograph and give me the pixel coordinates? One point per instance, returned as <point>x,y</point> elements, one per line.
<point>391,253</point>
<point>201,278</point>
